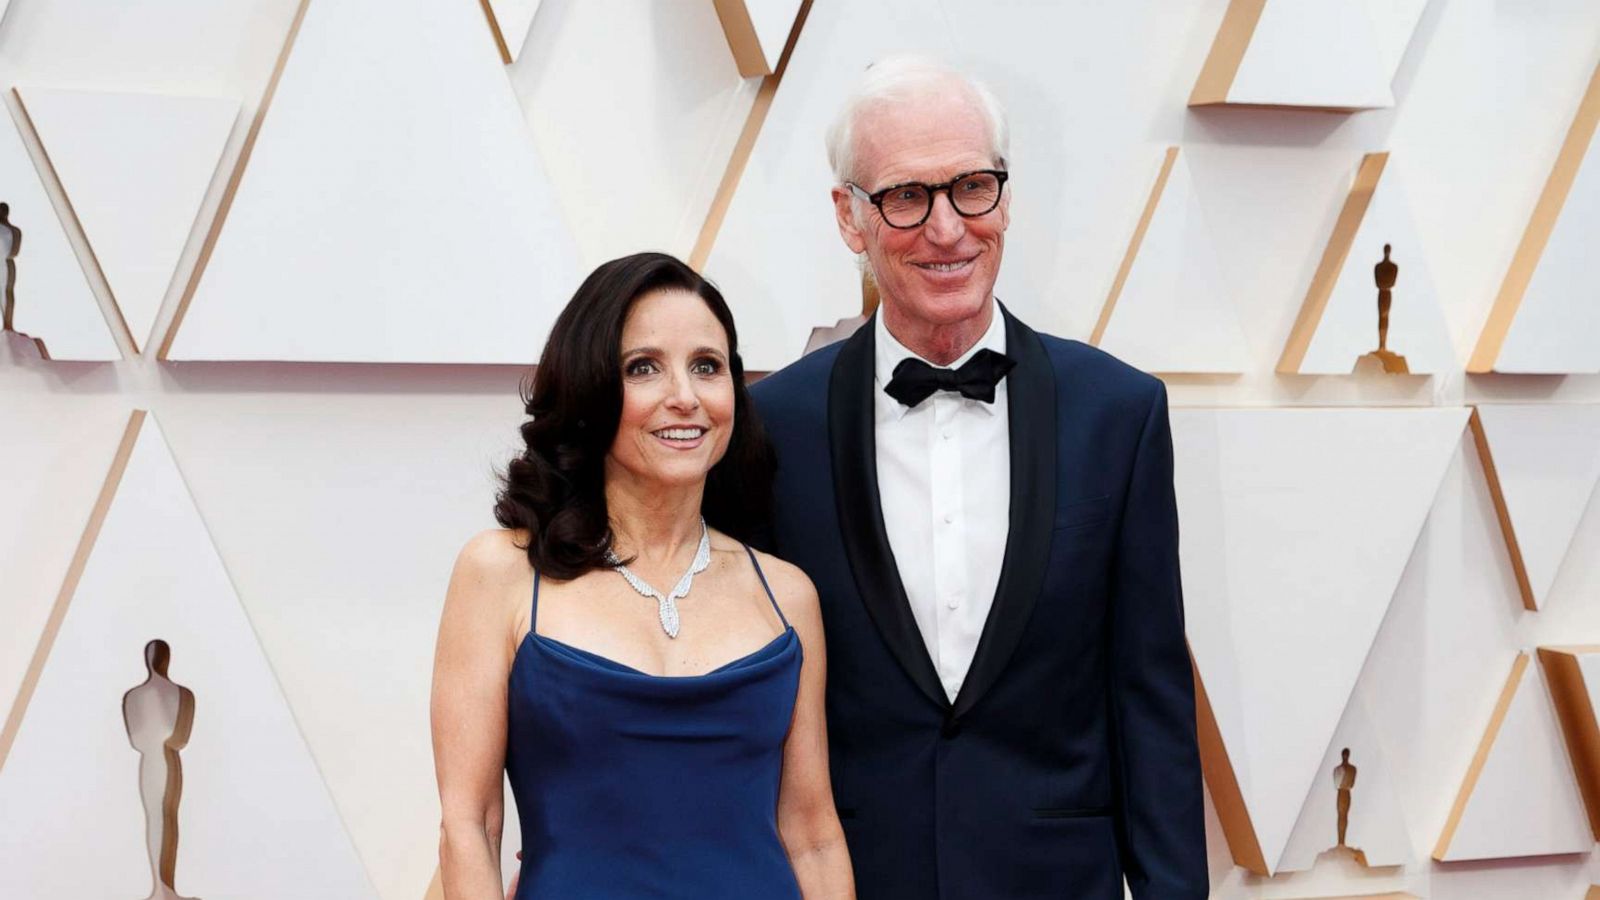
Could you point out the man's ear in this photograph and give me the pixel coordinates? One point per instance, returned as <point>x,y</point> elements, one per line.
<point>844,213</point>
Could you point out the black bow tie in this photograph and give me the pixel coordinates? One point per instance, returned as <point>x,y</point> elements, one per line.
<point>915,381</point>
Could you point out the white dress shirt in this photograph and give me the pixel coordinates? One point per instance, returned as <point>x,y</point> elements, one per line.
<point>944,479</point>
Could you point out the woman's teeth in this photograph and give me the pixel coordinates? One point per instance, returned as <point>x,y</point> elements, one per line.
<point>681,434</point>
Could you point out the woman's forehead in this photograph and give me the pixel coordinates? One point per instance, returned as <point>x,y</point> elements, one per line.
<point>672,316</point>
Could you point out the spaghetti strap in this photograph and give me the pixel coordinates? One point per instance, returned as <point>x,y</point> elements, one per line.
<point>767,587</point>
<point>533,614</point>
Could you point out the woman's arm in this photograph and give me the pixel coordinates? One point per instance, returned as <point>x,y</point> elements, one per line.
<point>470,668</point>
<point>807,820</point>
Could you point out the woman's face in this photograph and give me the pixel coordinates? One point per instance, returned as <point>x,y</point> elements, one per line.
<point>677,391</point>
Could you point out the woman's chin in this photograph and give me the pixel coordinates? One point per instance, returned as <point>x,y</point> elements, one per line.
<point>677,474</point>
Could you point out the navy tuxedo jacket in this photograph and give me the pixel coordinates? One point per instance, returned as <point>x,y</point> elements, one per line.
<point>1068,759</point>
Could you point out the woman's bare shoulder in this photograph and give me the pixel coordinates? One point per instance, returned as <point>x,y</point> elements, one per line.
<point>795,593</point>
<point>789,584</point>
<point>496,556</point>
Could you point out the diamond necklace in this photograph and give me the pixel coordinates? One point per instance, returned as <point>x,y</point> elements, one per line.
<point>667,605</point>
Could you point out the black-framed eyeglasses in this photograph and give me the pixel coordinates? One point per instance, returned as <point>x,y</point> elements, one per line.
<point>909,205</point>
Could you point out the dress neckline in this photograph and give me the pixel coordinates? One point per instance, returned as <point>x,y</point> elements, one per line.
<point>776,647</point>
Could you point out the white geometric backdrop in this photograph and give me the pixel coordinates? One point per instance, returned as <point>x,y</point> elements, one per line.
<point>349,220</point>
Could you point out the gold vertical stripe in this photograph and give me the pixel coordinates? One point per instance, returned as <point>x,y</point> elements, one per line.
<point>744,147</point>
<point>742,39</point>
<point>1220,777</point>
<point>121,320</point>
<point>1227,52</point>
<point>494,29</point>
<point>1333,257</point>
<point>232,189</point>
<point>1501,706</point>
<point>1576,712</point>
<point>69,586</point>
<point>1133,247</point>
<point>1537,235</point>
<point>1502,511</point>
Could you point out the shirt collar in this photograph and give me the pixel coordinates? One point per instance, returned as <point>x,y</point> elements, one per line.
<point>889,352</point>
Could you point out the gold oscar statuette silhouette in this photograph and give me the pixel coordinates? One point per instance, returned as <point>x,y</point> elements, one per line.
<point>13,345</point>
<point>1344,781</point>
<point>10,245</point>
<point>1385,273</point>
<point>159,715</point>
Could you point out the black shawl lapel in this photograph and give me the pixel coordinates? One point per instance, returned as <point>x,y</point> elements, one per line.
<point>866,543</point>
<point>1031,389</point>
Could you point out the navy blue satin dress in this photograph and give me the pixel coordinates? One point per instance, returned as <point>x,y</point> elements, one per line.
<point>632,786</point>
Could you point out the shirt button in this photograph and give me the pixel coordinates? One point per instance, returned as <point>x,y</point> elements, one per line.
<point>953,602</point>
<point>949,518</point>
<point>945,434</point>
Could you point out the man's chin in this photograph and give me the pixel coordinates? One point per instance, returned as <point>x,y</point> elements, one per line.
<point>947,309</point>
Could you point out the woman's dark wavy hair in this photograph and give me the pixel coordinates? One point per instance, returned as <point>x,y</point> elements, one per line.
<point>556,488</point>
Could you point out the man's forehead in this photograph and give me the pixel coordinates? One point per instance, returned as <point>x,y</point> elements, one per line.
<point>902,143</point>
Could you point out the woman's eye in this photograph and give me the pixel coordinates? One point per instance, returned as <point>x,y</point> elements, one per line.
<point>639,367</point>
<point>706,367</point>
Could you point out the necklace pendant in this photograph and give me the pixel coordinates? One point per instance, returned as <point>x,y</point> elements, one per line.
<point>668,610</point>
<point>667,604</point>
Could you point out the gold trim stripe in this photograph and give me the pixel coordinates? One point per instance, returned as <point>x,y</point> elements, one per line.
<point>1333,257</point>
<point>1537,235</point>
<point>69,586</point>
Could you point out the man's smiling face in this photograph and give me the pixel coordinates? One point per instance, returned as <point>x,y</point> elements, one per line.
<point>942,271</point>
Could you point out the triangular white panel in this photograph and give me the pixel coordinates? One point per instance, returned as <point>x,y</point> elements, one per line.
<point>777,314</point>
<point>639,87</point>
<point>1322,53</point>
<point>53,301</point>
<point>1174,313</point>
<point>56,456</point>
<point>135,168</point>
<point>1393,24</point>
<point>513,18</point>
<point>773,19</point>
<point>1297,526</point>
<point>1349,324</point>
<point>1547,460</point>
<point>1557,325</point>
<point>1525,800</point>
<point>1376,824</point>
<point>393,208</point>
<point>255,818</point>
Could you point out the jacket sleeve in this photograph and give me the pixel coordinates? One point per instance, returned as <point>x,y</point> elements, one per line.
<point>1160,807</point>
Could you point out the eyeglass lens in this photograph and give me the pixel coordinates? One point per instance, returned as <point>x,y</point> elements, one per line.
<point>972,195</point>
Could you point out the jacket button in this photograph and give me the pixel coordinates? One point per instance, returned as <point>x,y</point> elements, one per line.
<point>950,728</point>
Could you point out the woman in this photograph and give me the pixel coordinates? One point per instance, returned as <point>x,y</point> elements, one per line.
<point>653,687</point>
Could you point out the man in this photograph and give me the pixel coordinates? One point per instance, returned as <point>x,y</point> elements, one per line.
<point>988,516</point>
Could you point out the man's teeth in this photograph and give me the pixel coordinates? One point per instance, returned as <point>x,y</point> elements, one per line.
<point>944,267</point>
<point>681,434</point>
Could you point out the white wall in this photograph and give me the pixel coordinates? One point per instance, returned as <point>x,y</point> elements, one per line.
<point>338,495</point>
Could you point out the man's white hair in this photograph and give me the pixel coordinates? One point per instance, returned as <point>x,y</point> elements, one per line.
<point>898,78</point>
